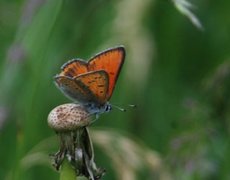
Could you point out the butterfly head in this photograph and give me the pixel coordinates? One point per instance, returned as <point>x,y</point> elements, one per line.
<point>98,109</point>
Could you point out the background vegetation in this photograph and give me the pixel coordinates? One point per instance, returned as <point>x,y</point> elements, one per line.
<point>177,74</point>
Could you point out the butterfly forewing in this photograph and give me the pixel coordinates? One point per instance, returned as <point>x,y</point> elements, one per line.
<point>111,62</point>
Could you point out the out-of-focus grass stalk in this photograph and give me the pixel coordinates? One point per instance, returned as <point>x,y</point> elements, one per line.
<point>185,7</point>
<point>31,41</point>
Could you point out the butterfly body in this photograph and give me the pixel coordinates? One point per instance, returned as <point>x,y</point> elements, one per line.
<point>92,83</point>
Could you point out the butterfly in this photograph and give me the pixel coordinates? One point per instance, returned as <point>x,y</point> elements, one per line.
<point>92,83</point>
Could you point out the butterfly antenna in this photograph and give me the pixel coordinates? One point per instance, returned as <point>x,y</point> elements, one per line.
<point>119,108</point>
<point>132,105</point>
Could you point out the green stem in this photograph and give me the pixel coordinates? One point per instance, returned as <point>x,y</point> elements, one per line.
<point>67,172</point>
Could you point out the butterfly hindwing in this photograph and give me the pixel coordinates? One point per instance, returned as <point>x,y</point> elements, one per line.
<point>96,83</point>
<point>71,89</point>
<point>88,87</point>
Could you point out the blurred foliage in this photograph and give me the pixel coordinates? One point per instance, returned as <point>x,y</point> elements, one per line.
<point>176,74</point>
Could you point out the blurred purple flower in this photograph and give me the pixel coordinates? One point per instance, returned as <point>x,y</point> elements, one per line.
<point>30,8</point>
<point>16,53</point>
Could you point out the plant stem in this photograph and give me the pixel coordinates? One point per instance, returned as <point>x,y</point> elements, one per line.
<point>68,173</point>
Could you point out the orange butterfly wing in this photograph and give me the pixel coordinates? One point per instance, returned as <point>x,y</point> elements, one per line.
<point>111,62</point>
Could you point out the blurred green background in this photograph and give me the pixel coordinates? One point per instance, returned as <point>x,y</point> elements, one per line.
<point>175,72</point>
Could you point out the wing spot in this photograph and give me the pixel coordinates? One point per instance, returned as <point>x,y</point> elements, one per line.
<point>100,85</point>
<point>91,81</point>
<point>98,77</point>
<point>71,70</point>
<point>69,74</point>
<point>101,92</point>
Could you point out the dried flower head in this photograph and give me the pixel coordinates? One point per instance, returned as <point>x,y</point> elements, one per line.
<point>68,117</point>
